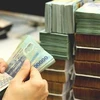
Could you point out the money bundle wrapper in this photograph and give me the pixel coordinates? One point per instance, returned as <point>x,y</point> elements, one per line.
<point>87,40</point>
<point>57,38</point>
<point>58,88</point>
<point>59,16</point>
<point>58,97</point>
<point>89,80</point>
<point>87,76</point>
<point>60,46</point>
<point>87,19</point>
<point>59,91</point>
<point>56,75</point>
<point>87,67</point>
<point>86,87</point>
<point>59,71</point>
<point>27,49</point>
<point>60,79</point>
<point>87,54</point>
<point>83,93</point>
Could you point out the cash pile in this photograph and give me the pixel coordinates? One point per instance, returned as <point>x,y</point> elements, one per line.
<point>59,45</point>
<point>57,39</point>
<point>87,55</point>
<point>59,74</point>
<point>88,19</point>
<point>60,80</point>
<point>59,16</point>
<point>27,49</point>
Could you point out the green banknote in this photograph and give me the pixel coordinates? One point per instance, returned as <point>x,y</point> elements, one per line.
<point>29,49</point>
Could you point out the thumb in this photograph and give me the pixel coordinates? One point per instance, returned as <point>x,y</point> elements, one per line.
<point>24,71</point>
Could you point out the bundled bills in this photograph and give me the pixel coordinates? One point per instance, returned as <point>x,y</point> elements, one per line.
<point>88,19</point>
<point>58,45</point>
<point>59,16</point>
<point>28,49</point>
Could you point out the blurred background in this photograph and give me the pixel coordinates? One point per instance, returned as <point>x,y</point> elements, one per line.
<point>35,7</point>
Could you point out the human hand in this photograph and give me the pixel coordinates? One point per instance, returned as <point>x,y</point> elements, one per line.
<point>35,88</point>
<point>3,65</point>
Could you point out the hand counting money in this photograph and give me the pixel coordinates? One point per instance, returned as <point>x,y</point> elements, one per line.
<point>29,49</point>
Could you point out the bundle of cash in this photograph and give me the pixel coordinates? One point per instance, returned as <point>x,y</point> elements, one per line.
<point>59,16</point>
<point>88,19</point>
<point>28,49</point>
<point>58,45</point>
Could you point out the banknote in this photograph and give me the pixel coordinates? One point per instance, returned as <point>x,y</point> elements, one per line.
<point>28,49</point>
<point>4,80</point>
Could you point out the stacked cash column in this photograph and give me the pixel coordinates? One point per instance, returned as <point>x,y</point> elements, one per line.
<point>58,38</point>
<point>87,57</point>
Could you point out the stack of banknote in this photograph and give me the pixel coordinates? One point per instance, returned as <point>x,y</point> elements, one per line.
<point>27,49</point>
<point>58,39</point>
<point>58,75</point>
<point>88,18</point>
<point>59,45</point>
<point>87,40</point>
<point>59,16</point>
<point>87,52</point>
<point>60,79</point>
<point>85,85</point>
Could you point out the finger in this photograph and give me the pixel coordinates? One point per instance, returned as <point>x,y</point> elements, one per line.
<point>24,71</point>
<point>45,98</point>
<point>35,73</point>
<point>46,85</point>
<point>45,89</point>
<point>3,65</point>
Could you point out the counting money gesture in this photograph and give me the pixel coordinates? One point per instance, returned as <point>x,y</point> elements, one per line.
<point>35,88</point>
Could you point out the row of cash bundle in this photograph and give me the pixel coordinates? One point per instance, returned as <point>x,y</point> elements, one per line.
<point>59,16</point>
<point>58,45</point>
<point>87,56</point>
<point>59,75</point>
<point>60,80</point>
<point>88,19</point>
<point>57,39</point>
